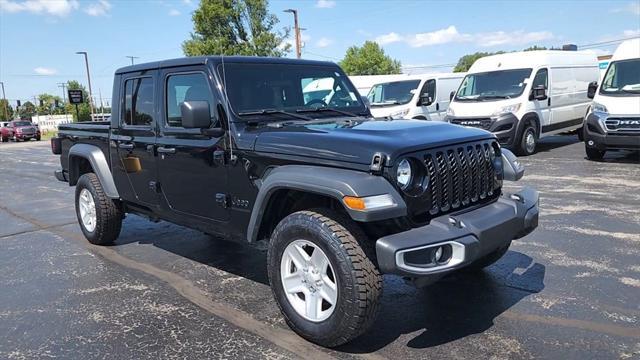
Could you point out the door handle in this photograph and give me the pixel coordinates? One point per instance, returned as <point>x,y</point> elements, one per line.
<point>127,146</point>
<point>549,101</point>
<point>166,150</point>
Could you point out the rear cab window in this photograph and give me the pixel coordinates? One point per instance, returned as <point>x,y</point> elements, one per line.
<point>138,106</point>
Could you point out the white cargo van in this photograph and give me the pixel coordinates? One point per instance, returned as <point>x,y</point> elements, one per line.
<point>613,121</point>
<point>424,97</point>
<point>522,96</point>
<point>364,82</point>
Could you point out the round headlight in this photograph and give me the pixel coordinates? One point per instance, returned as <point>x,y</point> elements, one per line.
<point>403,174</point>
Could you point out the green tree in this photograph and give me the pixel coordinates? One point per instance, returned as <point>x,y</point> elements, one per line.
<point>535,47</point>
<point>27,110</point>
<point>83,109</point>
<point>48,106</point>
<point>369,59</point>
<point>235,27</point>
<point>4,104</point>
<point>465,62</point>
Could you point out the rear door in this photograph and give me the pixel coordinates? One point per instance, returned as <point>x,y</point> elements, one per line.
<point>192,173</point>
<point>135,172</point>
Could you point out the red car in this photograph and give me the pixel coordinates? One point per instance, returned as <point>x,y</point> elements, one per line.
<point>19,130</point>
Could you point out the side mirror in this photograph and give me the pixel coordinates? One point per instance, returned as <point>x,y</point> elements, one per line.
<point>195,114</point>
<point>451,95</point>
<point>591,89</point>
<point>539,92</point>
<point>511,167</point>
<point>425,100</point>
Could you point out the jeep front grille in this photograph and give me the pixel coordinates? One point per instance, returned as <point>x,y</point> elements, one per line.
<point>460,176</point>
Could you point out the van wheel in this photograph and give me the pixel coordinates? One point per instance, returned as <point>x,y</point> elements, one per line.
<point>594,154</point>
<point>99,217</point>
<point>528,140</point>
<point>580,132</point>
<point>323,276</point>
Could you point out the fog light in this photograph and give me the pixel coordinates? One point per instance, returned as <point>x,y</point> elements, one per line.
<point>438,254</point>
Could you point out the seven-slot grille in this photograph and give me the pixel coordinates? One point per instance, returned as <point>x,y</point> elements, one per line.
<point>460,176</point>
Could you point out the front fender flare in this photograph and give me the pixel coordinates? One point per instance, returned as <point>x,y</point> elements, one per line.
<point>332,182</point>
<point>99,164</point>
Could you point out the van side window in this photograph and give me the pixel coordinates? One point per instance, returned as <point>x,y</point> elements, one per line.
<point>429,90</point>
<point>138,102</point>
<point>541,79</point>
<point>186,87</point>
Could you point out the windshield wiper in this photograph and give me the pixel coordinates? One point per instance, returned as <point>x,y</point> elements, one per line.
<point>631,91</point>
<point>321,109</point>
<point>274,111</point>
<point>481,97</point>
<point>393,102</point>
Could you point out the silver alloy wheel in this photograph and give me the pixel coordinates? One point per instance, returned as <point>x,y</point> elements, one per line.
<point>308,280</point>
<point>87,210</point>
<point>530,141</point>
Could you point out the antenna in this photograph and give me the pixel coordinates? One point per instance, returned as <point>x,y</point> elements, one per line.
<point>228,112</point>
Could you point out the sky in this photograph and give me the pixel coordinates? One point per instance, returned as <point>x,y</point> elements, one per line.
<point>39,38</point>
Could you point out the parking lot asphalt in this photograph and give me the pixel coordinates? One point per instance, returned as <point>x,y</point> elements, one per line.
<point>569,290</point>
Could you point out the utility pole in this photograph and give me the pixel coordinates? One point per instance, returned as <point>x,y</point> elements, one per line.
<point>132,57</point>
<point>296,32</point>
<point>64,98</point>
<point>86,62</point>
<point>6,103</point>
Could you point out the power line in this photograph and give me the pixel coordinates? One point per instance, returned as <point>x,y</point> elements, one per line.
<point>609,42</point>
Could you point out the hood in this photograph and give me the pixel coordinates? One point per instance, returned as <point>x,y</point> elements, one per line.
<point>620,105</point>
<point>356,141</point>
<point>479,109</point>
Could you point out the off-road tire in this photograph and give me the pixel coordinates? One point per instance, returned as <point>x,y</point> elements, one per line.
<point>488,259</point>
<point>353,259</point>
<point>108,214</point>
<point>521,147</point>
<point>594,154</point>
<point>38,138</point>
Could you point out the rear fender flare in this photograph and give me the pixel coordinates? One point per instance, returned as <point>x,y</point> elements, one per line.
<point>99,164</point>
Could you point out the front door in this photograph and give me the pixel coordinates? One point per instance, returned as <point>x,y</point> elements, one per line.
<point>135,168</point>
<point>542,106</point>
<point>191,166</point>
<point>431,111</point>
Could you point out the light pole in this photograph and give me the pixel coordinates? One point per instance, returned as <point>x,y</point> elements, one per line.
<point>6,103</point>
<point>86,62</point>
<point>296,31</point>
<point>132,57</point>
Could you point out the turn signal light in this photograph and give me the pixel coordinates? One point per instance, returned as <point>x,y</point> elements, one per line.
<point>354,203</point>
<point>369,202</point>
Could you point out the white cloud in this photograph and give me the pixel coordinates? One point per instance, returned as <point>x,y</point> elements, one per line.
<point>51,7</point>
<point>451,35</point>
<point>325,4</point>
<point>174,12</point>
<point>324,42</point>
<point>45,71</point>
<point>388,38</point>
<point>631,33</point>
<point>100,8</point>
<point>632,7</point>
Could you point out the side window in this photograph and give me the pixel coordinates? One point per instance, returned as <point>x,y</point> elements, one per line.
<point>186,87</point>
<point>429,90</point>
<point>138,102</point>
<point>541,79</point>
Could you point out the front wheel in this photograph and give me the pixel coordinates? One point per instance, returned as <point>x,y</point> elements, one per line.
<point>528,141</point>
<point>99,216</point>
<point>594,154</point>
<point>323,277</point>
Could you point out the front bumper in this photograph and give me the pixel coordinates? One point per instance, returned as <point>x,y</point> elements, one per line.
<point>468,236</point>
<point>603,139</point>
<point>61,175</point>
<point>503,126</point>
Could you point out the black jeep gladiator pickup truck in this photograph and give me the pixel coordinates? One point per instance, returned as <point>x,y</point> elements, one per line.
<point>285,153</point>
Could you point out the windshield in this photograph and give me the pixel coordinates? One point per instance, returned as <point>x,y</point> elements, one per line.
<point>622,77</point>
<point>282,88</point>
<point>392,93</point>
<point>21,123</point>
<point>502,84</point>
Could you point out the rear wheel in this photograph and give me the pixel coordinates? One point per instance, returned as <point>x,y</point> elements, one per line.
<point>594,154</point>
<point>528,140</point>
<point>323,277</point>
<point>99,217</point>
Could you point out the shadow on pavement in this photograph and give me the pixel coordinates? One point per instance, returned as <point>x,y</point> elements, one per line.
<point>553,142</point>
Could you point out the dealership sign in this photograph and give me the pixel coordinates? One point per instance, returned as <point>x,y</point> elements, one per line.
<point>75,96</point>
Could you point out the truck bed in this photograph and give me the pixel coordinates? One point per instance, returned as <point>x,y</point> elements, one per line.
<point>89,132</point>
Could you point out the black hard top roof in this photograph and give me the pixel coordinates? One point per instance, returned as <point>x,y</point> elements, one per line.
<point>198,60</point>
